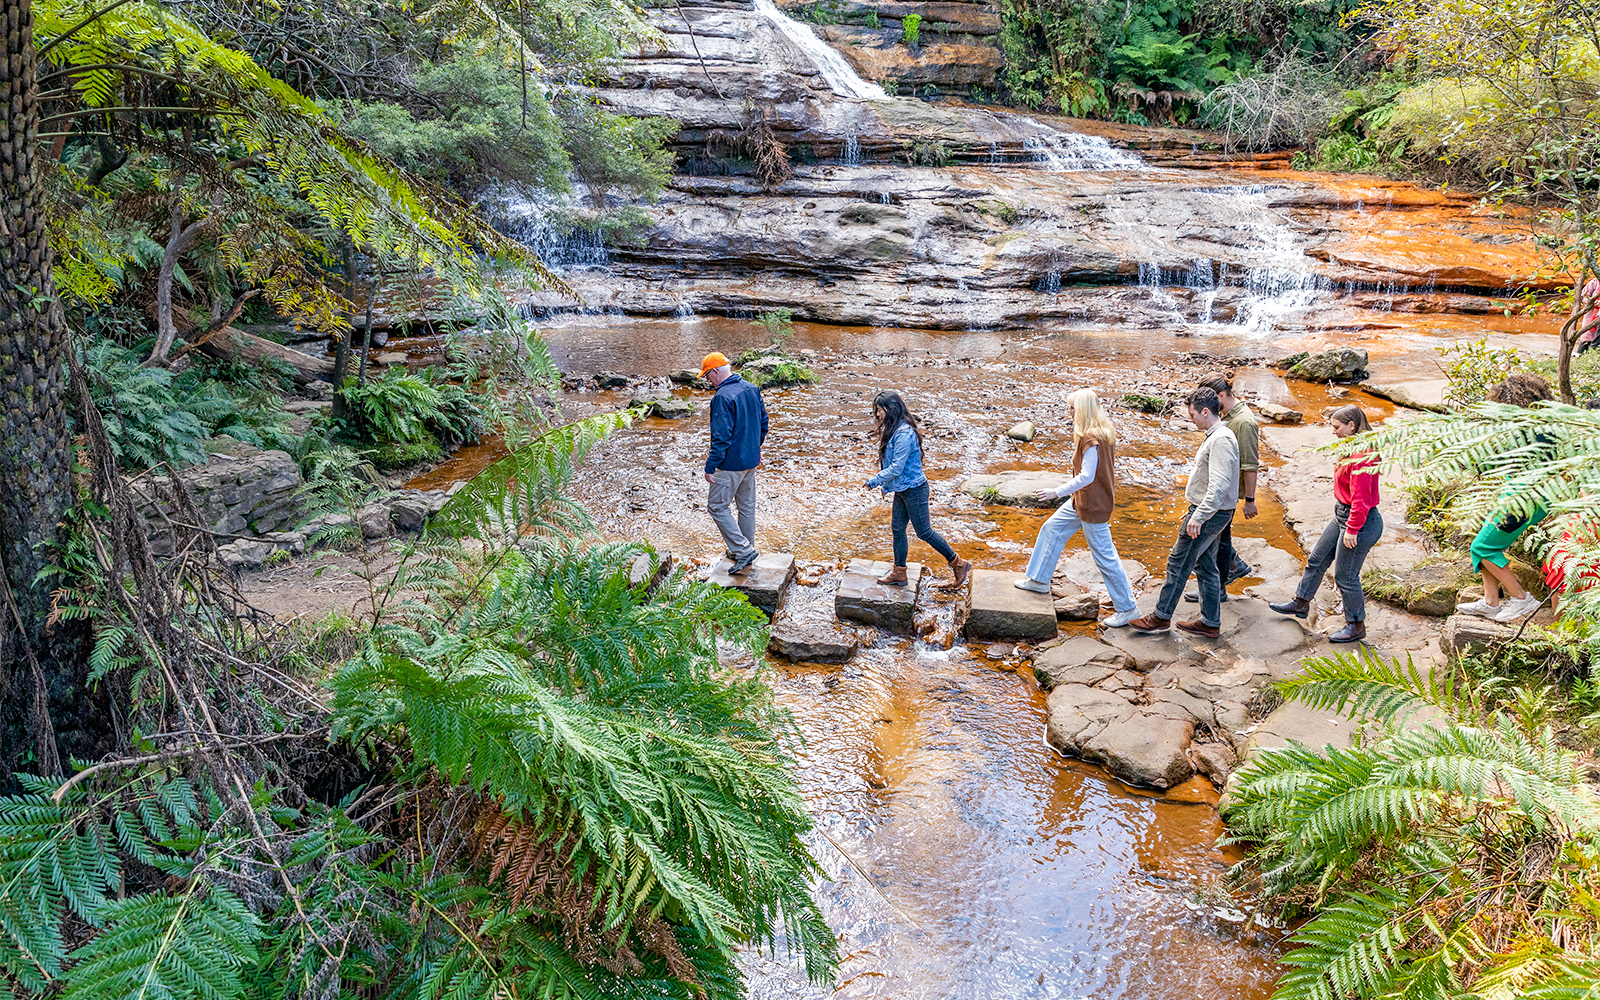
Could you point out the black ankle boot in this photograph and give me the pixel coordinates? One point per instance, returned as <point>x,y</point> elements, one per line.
<point>1297,606</point>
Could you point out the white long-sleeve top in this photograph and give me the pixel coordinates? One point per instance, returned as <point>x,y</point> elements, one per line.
<point>1091,462</point>
<point>1214,474</point>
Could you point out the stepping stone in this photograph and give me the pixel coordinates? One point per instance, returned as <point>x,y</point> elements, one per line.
<point>764,583</point>
<point>811,641</point>
<point>861,598</point>
<point>651,569</point>
<point>998,610</point>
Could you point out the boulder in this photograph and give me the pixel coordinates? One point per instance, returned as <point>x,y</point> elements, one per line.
<point>1015,488</point>
<point>1465,634</point>
<point>764,583</point>
<point>1146,402</point>
<point>410,512</point>
<point>239,490</point>
<point>1214,760</point>
<point>1426,588</point>
<point>690,378</point>
<point>1077,712</point>
<point>1144,749</point>
<point>1341,364</point>
<point>670,408</point>
<point>861,598</point>
<point>1078,660</point>
<point>374,521</point>
<point>998,610</point>
<point>1415,394</point>
<point>811,641</point>
<point>651,569</point>
<point>245,553</point>
<point>1024,431</point>
<point>1078,608</point>
<point>1277,414</point>
<point>610,380</point>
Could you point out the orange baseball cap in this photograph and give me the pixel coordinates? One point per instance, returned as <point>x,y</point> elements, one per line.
<point>712,360</point>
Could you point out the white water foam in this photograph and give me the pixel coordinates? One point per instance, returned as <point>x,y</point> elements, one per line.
<point>1068,151</point>
<point>844,80</point>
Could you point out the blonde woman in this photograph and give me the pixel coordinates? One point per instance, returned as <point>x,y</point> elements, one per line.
<point>1092,489</point>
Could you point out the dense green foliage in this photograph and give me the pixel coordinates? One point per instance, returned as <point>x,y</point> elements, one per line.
<point>1451,853</point>
<point>535,779</point>
<point>1154,61</point>
<point>410,416</point>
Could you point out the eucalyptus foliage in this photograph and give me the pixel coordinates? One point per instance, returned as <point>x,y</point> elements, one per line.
<point>1451,852</point>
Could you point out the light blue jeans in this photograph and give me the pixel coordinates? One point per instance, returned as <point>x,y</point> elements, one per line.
<point>1053,537</point>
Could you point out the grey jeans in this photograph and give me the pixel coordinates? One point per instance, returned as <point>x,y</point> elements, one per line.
<point>727,489</point>
<point>1346,563</point>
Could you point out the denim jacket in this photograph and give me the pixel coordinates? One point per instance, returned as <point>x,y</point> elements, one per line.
<point>902,463</point>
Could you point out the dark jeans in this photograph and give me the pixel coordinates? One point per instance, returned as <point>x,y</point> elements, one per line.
<point>1197,556</point>
<point>912,505</point>
<point>1228,562</point>
<point>1346,562</point>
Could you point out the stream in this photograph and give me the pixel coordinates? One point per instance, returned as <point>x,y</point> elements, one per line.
<point>962,855</point>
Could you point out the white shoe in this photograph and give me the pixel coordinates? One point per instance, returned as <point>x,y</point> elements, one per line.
<point>1030,584</point>
<point>1514,609</point>
<point>1120,619</point>
<point>1480,607</point>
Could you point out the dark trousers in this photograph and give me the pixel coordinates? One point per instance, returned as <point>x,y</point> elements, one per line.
<point>1346,562</point>
<point>1197,556</point>
<point>912,505</point>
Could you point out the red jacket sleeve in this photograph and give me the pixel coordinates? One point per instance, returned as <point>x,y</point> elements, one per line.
<point>1363,473</point>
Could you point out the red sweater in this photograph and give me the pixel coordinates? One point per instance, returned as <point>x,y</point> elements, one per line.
<point>1355,486</point>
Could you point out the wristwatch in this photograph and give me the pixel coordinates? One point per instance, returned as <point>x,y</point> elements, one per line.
<point>1249,499</point>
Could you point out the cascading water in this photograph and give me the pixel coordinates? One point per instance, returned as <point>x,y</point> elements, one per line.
<point>1064,151</point>
<point>553,229</point>
<point>843,80</point>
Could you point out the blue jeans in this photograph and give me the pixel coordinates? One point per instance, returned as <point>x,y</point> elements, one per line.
<point>1054,535</point>
<point>1346,562</point>
<point>912,505</point>
<point>1197,556</point>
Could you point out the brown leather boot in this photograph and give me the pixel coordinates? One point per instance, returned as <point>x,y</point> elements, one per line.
<point>962,568</point>
<point>894,578</point>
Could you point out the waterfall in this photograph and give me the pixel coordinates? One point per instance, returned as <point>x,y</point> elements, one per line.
<point>1063,151</point>
<point>852,151</point>
<point>844,81</point>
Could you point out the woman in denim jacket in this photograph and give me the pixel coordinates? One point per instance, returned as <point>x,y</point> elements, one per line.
<point>900,458</point>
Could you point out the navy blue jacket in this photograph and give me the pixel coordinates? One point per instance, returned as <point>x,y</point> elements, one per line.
<point>738,426</point>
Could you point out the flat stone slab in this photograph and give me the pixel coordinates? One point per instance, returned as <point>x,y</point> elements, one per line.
<point>998,610</point>
<point>811,641</point>
<point>764,583</point>
<point>861,598</point>
<point>1016,489</point>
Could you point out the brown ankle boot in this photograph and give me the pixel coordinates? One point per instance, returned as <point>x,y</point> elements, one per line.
<point>894,578</point>
<point>962,568</point>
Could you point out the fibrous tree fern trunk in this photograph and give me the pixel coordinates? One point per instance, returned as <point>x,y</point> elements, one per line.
<point>35,422</point>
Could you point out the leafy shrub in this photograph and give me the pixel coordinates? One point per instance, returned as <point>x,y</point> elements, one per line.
<point>1474,367</point>
<point>910,28</point>
<point>144,422</point>
<point>779,323</point>
<point>411,416</point>
<point>928,154</point>
<point>1287,105</point>
<point>774,373</point>
<point>1456,857</point>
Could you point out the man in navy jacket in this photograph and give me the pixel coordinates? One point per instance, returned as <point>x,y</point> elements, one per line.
<point>738,427</point>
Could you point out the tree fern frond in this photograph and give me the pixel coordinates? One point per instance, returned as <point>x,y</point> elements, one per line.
<point>1366,684</point>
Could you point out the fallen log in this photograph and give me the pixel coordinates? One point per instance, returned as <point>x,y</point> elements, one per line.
<point>233,344</point>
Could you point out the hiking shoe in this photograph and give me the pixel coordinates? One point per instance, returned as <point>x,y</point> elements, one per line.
<point>894,578</point>
<point>961,568</point>
<point>1352,632</point>
<point>1120,619</point>
<point>1480,607</point>
<point>1201,629</point>
<point>740,565</point>
<point>1297,606</point>
<point>1514,608</point>
<point>1239,570</point>
<point>1150,623</point>
<point>1031,585</point>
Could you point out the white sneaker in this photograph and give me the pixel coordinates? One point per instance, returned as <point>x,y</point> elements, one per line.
<point>1120,619</point>
<point>1514,609</point>
<point>1480,607</point>
<point>1030,584</point>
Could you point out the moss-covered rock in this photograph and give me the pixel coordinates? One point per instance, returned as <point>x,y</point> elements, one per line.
<point>1145,402</point>
<point>1428,588</point>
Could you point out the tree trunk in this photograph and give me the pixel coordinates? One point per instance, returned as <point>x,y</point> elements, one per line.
<point>178,239</point>
<point>230,344</point>
<point>42,667</point>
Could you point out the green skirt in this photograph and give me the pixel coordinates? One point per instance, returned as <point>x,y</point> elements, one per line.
<point>1492,541</point>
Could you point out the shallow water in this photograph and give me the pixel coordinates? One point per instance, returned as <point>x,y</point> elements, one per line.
<point>964,857</point>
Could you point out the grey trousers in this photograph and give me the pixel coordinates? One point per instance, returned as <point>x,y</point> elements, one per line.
<point>730,488</point>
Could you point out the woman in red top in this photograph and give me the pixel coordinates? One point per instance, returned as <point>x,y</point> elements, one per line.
<point>1355,528</point>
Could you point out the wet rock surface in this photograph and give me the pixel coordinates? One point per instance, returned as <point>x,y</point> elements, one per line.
<point>996,609</point>
<point>764,583</point>
<point>861,598</point>
<point>1020,488</point>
